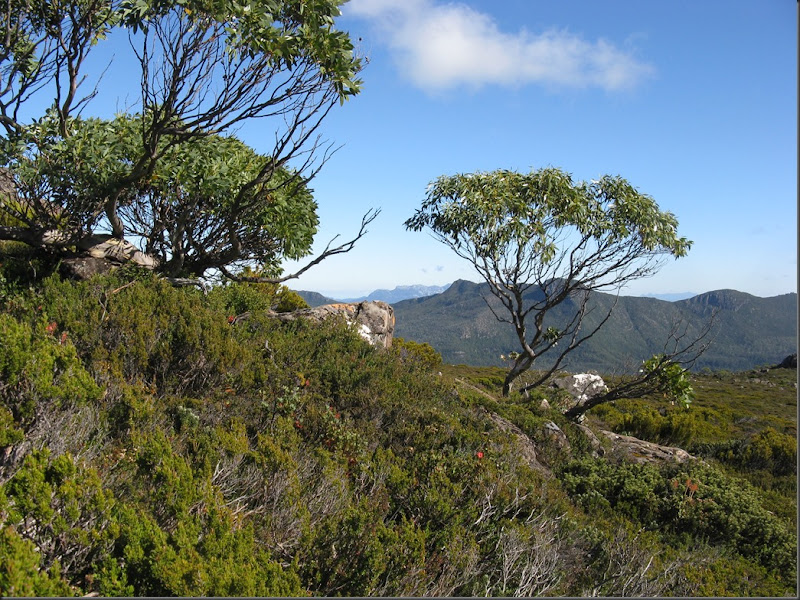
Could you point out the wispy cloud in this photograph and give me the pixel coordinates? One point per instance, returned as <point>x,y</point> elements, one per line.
<point>442,46</point>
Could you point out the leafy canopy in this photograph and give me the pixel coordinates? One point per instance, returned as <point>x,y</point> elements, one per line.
<point>171,176</point>
<point>489,214</point>
<point>539,239</point>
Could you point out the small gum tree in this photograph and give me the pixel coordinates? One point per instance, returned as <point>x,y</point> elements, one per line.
<point>539,238</point>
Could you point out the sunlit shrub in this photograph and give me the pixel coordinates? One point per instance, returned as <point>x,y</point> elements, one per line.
<point>692,500</point>
<point>20,569</point>
<point>415,352</point>
<point>39,364</point>
<point>74,515</point>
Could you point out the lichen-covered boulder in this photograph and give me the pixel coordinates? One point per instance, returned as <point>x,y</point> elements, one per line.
<point>375,319</point>
<point>121,251</point>
<point>639,451</point>
<point>581,387</point>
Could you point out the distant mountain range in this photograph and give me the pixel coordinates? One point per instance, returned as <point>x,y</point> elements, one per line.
<point>749,331</point>
<point>401,292</point>
<point>671,297</point>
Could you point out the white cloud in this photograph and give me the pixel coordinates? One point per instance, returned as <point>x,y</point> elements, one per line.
<point>441,46</point>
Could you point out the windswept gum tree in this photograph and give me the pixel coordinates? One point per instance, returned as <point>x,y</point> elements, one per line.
<point>170,174</point>
<point>539,238</point>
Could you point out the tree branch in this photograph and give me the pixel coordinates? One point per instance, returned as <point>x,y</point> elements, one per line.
<point>368,218</point>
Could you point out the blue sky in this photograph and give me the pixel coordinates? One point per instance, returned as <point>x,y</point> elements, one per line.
<point>695,103</point>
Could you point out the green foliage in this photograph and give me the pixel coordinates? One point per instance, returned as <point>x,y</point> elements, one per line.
<point>263,458</point>
<point>674,427</point>
<point>694,501</point>
<point>39,364</point>
<point>9,434</point>
<point>500,210</point>
<point>287,32</point>
<point>412,351</point>
<point>531,228</point>
<point>172,177</point>
<point>207,181</point>
<point>242,298</point>
<point>768,450</point>
<point>74,514</point>
<point>20,573</point>
<point>671,379</point>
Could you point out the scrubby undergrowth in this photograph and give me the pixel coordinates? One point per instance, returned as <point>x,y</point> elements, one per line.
<point>151,444</point>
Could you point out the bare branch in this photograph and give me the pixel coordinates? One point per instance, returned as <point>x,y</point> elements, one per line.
<point>368,218</point>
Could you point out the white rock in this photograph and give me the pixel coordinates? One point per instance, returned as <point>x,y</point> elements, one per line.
<point>582,386</point>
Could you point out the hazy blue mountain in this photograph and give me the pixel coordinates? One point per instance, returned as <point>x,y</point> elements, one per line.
<point>749,331</point>
<point>401,292</point>
<point>671,297</point>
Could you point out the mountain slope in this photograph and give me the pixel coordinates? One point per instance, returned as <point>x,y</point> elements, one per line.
<point>314,298</point>
<point>402,292</point>
<point>748,331</point>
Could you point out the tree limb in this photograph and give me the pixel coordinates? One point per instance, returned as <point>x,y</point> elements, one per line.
<point>368,218</point>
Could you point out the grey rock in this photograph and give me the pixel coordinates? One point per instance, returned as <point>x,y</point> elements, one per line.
<point>86,267</point>
<point>374,320</point>
<point>594,441</point>
<point>582,386</point>
<point>639,451</point>
<point>557,437</point>
<point>524,444</point>
<point>121,251</point>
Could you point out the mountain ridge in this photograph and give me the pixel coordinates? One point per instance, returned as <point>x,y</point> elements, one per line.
<point>749,331</point>
<point>399,293</point>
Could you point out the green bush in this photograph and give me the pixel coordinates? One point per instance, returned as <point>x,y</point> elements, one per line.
<point>421,353</point>
<point>20,571</point>
<point>76,528</point>
<point>694,501</point>
<point>39,364</point>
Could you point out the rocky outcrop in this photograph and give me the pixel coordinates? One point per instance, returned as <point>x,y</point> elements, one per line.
<point>638,451</point>
<point>524,444</point>
<point>558,438</point>
<point>99,254</point>
<point>85,267</point>
<point>594,441</point>
<point>374,320</point>
<point>121,251</point>
<point>790,362</point>
<point>580,387</point>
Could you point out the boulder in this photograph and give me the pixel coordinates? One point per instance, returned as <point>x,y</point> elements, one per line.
<point>99,254</point>
<point>790,362</point>
<point>111,248</point>
<point>582,387</point>
<point>639,451</point>
<point>374,320</point>
<point>524,444</point>
<point>558,437</point>
<point>594,441</point>
<point>85,267</point>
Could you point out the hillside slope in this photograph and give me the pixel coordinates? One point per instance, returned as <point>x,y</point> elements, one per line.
<point>154,444</point>
<point>748,332</point>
